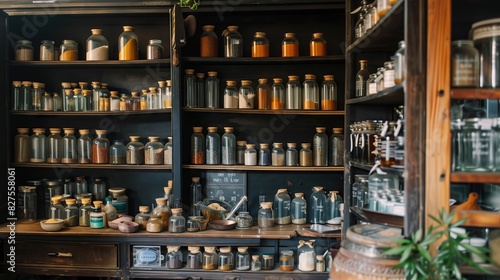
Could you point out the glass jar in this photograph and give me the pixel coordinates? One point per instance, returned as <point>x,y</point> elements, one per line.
<point>128,44</point>
<point>154,224</point>
<point>264,154</point>
<point>24,50</point>
<point>152,99</point>
<point>278,94</point>
<point>56,209</point>
<point>336,156</point>
<point>400,65</point>
<point>194,258</point>
<point>125,104</point>
<point>68,51</point>
<point>320,147</point>
<point>96,93</point>
<point>383,6</point>
<point>209,258</point>
<point>292,155</point>
<point>311,93</point>
<point>81,186</point>
<point>320,263</point>
<point>286,260</point>
<point>100,147</point>
<point>263,95</point>
<point>15,95</point>
<point>256,264</point>
<point>328,94</point>
<point>231,95</point>
<point>117,153</point>
<point>250,155</point>
<point>168,194</point>
<point>68,101</point>
<point>174,257</point>
<point>260,45</point>
<point>282,207</point>
<point>293,93</point>
<point>97,46</point>
<point>212,90</point>
<point>99,189</point>
<point>22,146</point>
<point>240,152</point>
<point>244,220</point>
<point>380,79</point>
<point>359,29</point>
<point>120,200</point>
<point>153,151</point>
<point>233,42</point>
<point>317,45</point>
<point>47,102</point>
<point>154,49</point>
<point>361,78</point>
<point>26,96</point>
<point>389,74</point>
<point>54,146</point>
<point>135,151</point>
<point>265,215</point>
<point>47,50</point>
<point>70,213</point>
<point>371,84</point>
<point>226,259</point>
<point>305,155</point>
<point>79,101</point>
<point>381,182</point>
<point>278,155</point>
<point>144,100</point>
<point>306,256</point>
<point>143,217</point>
<point>69,146</point>
<point>38,151</point>
<point>267,262</point>
<point>196,196</point>
<point>97,217</point>
<point>299,209</point>
<point>197,146</point>
<point>209,42</point>
<point>290,46</point>
<point>135,101</point>
<point>200,90</point>
<point>167,151</point>
<point>333,202</point>
<point>177,223</point>
<point>167,101</point>
<point>213,146</point>
<point>84,213</point>
<point>163,211</point>
<point>36,97</point>
<point>114,101</point>
<point>464,64</point>
<point>246,95</point>
<point>228,147</point>
<point>242,259</point>
<point>190,97</point>
<point>477,154</point>
<point>84,148</point>
<point>316,206</point>
<point>27,204</point>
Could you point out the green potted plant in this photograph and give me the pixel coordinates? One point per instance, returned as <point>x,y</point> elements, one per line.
<point>420,264</point>
<point>192,4</point>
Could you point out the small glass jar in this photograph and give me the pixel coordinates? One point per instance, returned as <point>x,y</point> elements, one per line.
<point>154,224</point>
<point>292,155</point>
<point>38,151</point>
<point>70,213</point>
<point>194,258</point>
<point>24,50</point>
<point>267,262</point>
<point>380,79</point>
<point>278,155</point>
<point>320,147</point>
<point>306,256</point>
<point>54,146</point>
<point>47,102</point>
<point>152,99</point>
<point>97,46</point>
<point>464,64</point>
<point>320,263</point>
<point>244,220</point>
<point>293,93</point>
<point>174,257</point>
<point>47,50</point>
<point>153,151</point>
<point>260,45</point>
<point>163,211</point>
<point>143,217</point>
<point>167,151</point>
<point>154,49</point>
<point>317,45</point>
<point>228,143</point>
<point>290,46</point>
<point>278,94</point>
<point>226,259</point>
<point>68,51</point>
<point>135,151</point>
<point>311,93</point>
<point>84,147</point>
<point>316,206</point>
<point>400,64</point>
<point>117,153</point>
<point>371,84</point>
<point>128,44</point>
<point>84,213</point>
<point>361,78</point>
<point>209,42</point>
<point>389,74</point>
<point>246,97</point>
<point>256,264</point>
<point>212,91</point>
<point>135,101</point>
<point>264,154</point>
<point>240,152</point>
<point>15,96</point>
<point>144,99</point>
<point>336,155</point>
<point>250,155</point>
<point>242,259</point>
<point>328,94</point>
<point>233,42</point>
<point>177,223</point>
<point>282,207</point>
<point>125,104</point>
<point>306,155</point>
<point>263,95</point>
<point>56,209</point>
<point>36,96</point>
<point>22,146</point>
<point>265,215</point>
<point>286,260</point>
<point>213,146</point>
<point>209,258</point>
<point>100,147</point>
<point>114,101</point>
<point>231,95</point>
<point>197,146</point>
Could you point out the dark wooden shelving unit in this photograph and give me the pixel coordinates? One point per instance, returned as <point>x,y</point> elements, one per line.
<point>475,177</point>
<point>474,93</point>
<point>94,166</point>
<point>391,96</point>
<point>265,60</point>
<point>108,64</point>
<point>91,113</point>
<point>265,168</point>
<point>266,112</point>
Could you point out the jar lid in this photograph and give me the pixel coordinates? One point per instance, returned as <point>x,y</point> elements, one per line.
<point>145,91</point>
<point>39,130</point>
<point>328,77</point>
<point>212,74</point>
<point>338,130</point>
<point>172,249</point>
<point>155,41</point>
<point>287,252</point>
<point>96,31</point>
<point>193,249</point>
<point>23,129</point>
<point>128,28</point>
<point>299,194</point>
<point>260,34</point>
<point>305,145</point>
<point>282,191</point>
<point>208,27</point>
<point>262,81</point>
<point>134,93</point>
<point>293,78</point>
<point>246,82</point>
<point>320,129</point>
<point>152,89</point>
<point>154,138</point>
<point>79,90</point>
<point>69,131</point>
<point>52,183</point>
<point>289,34</point>
<point>161,83</point>
<point>101,131</point>
<point>317,35</point>
<point>267,257</point>
<point>231,83</point>
<point>24,42</point>
<point>200,75</point>
<point>291,145</point>
<point>69,42</point>
<point>250,146</point>
<point>143,208</point>
<point>54,130</point>
<point>197,129</point>
<point>209,249</point>
<point>255,257</point>
<point>363,61</point>
<point>264,145</point>
<point>318,188</point>
<point>189,71</point>
<point>242,249</point>
<point>266,205</point>
<point>225,249</point>
<point>319,257</point>
<point>212,129</point>
<point>195,179</point>
<point>134,138</point>
<point>27,83</point>
<point>277,80</point>
<point>167,190</point>
<point>232,27</point>
<point>169,83</point>
<point>486,29</point>
<point>70,201</point>
<point>228,128</point>
<point>68,91</point>
<point>310,77</point>
<point>47,42</point>
<point>241,143</point>
<point>277,145</point>
<point>36,84</point>
<point>85,200</point>
<point>16,83</point>
<point>27,189</point>
<point>161,201</point>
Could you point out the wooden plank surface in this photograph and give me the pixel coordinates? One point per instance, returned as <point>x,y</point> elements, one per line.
<point>475,177</point>
<point>475,93</point>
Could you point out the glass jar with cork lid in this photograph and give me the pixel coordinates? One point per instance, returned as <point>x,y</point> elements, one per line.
<point>22,145</point>
<point>153,151</point>
<point>97,46</point>
<point>142,217</point>
<point>310,90</point>
<point>209,46</point>
<point>290,46</point>
<point>174,257</point>
<point>260,45</point>
<point>209,258</point>
<point>317,46</point>
<point>100,147</point>
<point>128,44</point>
<point>163,211</point>
<point>265,215</point>
<point>68,51</point>
<point>24,50</point>
<point>242,259</point>
<point>177,223</point>
<point>278,155</point>
<point>197,146</point>
<point>226,259</point>
<point>194,258</point>
<point>135,151</point>
<point>305,155</point>
<point>328,94</point>
<point>281,209</point>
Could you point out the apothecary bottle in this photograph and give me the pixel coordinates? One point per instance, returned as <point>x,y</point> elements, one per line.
<point>260,45</point>
<point>70,213</point>
<point>167,100</point>
<point>144,99</point>
<point>306,155</point>
<point>22,146</point>
<point>212,91</point>
<point>290,46</point>
<point>226,259</point>
<point>209,258</point>
<point>154,224</point>
<point>320,263</point>
<point>54,146</point>
<point>209,46</point>
<point>68,51</point>
<point>36,96</point>
<point>117,153</point>
<point>68,101</point>
<point>240,152</point>
<point>250,155</point>
<point>361,78</point>
<point>311,93</point>
<point>174,257</point>
<point>389,74</point>
<point>265,217</point>
<point>213,146</point>
<point>242,259</point>
<point>194,258</point>
<point>98,189</point>
<point>196,196</point>
<point>320,147</point>
<point>464,64</point>
<point>400,64</point>
<point>163,211</point>
<point>15,95</point>
<point>278,94</point>
<point>293,93</point>
<point>128,44</point>
<point>177,223</point>
<point>125,104</point>
<point>371,84</point>
<point>231,95</point>
<point>306,256</point>
<point>114,101</point>
<point>56,209</point>
<point>84,146</point>
<point>281,205</point>
<point>152,99</point>
<point>228,147</point>
<point>79,101</point>
<point>197,146</point>
<point>333,202</point>
<point>292,155</point>
<point>287,262</point>
<point>97,46</point>
<point>200,90</point>
<point>256,265</point>
<point>383,6</point>
<point>47,50</point>
<point>316,205</point>
<point>278,155</point>
<point>264,154</point>
<point>47,102</point>
<point>154,50</point>
<point>336,155</point>
<point>135,151</point>
<point>26,96</point>
<point>27,203</point>
<point>246,97</point>
<point>69,146</point>
<point>153,151</point>
<point>317,46</point>
<point>244,220</point>
<point>81,186</point>
<point>84,213</point>
<point>298,209</point>
<point>100,147</point>
<point>168,151</point>
<point>233,42</point>
<point>24,50</point>
<point>263,95</point>
<point>328,94</point>
<point>477,155</point>
<point>142,217</point>
<point>135,101</point>
<point>38,151</point>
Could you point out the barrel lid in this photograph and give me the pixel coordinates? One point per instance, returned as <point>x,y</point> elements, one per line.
<point>374,235</point>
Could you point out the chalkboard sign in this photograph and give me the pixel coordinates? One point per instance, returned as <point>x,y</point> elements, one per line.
<point>227,186</point>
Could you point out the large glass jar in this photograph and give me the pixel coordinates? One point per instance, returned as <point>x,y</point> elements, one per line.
<point>260,45</point>
<point>135,151</point>
<point>153,151</point>
<point>100,147</point>
<point>278,155</point>
<point>328,94</point>
<point>84,146</point>
<point>97,46</point>
<point>190,97</point>
<point>278,94</point>
<point>320,147</point>
<point>292,155</point>
<point>264,154</point>
<point>68,51</point>
<point>213,146</point>
<point>163,211</point>
<point>47,50</point>
<point>265,215</point>
<point>242,259</point>
<point>464,64</point>
<point>361,78</point>
<point>306,155</point>
<point>154,224</point>
<point>246,95</point>
<point>282,207</point>
<point>250,155</point>
<point>226,259</point>
<point>22,145</point>
<point>306,256</point>
<point>317,45</point>
<point>209,258</point>
<point>336,155</point>
<point>197,146</point>
<point>293,93</point>
<point>299,209</point>
<point>212,91</point>
<point>84,213</point>
<point>128,44</point>
<point>117,153</point>
<point>231,95</point>
<point>167,151</point>
<point>69,146</point>
<point>142,217</point>
<point>38,151</point>
<point>263,95</point>
<point>311,93</point>
<point>15,95</point>
<point>244,220</point>
<point>174,257</point>
<point>120,200</point>
<point>54,146</point>
<point>209,43</point>
<point>333,202</point>
<point>287,262</point>
<point>316,206</point>
<point>290,46</point>
<point>24,50</point>
<point>154,49</point>
<point>26,96</point>
<point>400,64</point>
<point>240,152</point>
<point>194,258</point>
<point>81,186</point>
<point>177,223</point>
<point>233,42</point>
<point>70,213</point>
<point>228,147</point>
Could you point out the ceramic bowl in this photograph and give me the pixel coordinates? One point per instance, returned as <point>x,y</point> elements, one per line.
<point>128,226</point>
<point>52,224</point>
<point>114,223</point>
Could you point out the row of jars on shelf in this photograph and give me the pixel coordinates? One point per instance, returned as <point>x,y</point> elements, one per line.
<point>79,97</point>
<point>200,93</point>
<point>38,148</point>
<point>97,48</point>
<point>369,15</point>
<point>233,44</point>
<point>214,149</point>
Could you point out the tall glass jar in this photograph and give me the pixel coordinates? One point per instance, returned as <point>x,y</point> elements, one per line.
<point>84,213</point>
<point>464,64</point>
<point>69,146</point>
<point>135,101</point>
<point>196,196</point>
<point>167,151</point>
<point>361,78</point>
<point>298,211</point>
<point>36,97</point>
<point>114,101</point>
<point>47,102</point>
<point>263,95</point>
<point>98,189</point>
<point>153,151</point>
<point>240,152</point>
<point>135,151</point>
<point>226,259</point>
<point>209,42</point>
<point>281,206</point>
<point>212,90</point>
<point>316,206</point>
<point>292,155</point>
<point>177,223</point>
<point>213,146</point>
<point>293,93</point>
<point>26,96</point>
<point>400,64</point>
<point>54,146</point>
<point>167,101</point>
<point>22,145</point>
<point>117,153</point>
<point>190,97</point>
<point>260,45</point>
<point>47,50</point>
<point>290,46</point>
<point>197,146</point>
<point>246,99</point>
<point>311,93</point>
<point>228,147</point>
<point>242,259</point>
<point>15,95</point>
<point>38,144</point>
<point>70,213</point>
<point>317,45</point>
<point>278,96</point>
<point>79,101</point>
<point>336,155</point>
<point>265,217</point>
<point>174,257</point>
<point>163,211</point>
<point>128,44</point>
<point>333,202</point>
<point>209,258</point>
<point>306,256</point>
<point>142,217</point>
<point>84,147</point>
<point>231,95</point>
<point>154,49</point>
<point>250,155</point>
<point>68,51</point>
<point>306,155</point>
<point>278,155</point>
<point>153,99</point>
<point>328,94</point>
<point>233,42</point>
<point>100,147</point>
<point>27,203</point>
<point>200,90</point>
<point>320,147</point>
<point>144,99</point>
<point>68,101</point>
<point>97,46</point>
<point>264,154</point>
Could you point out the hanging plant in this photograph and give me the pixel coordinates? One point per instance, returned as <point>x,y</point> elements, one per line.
<point>192,4</point>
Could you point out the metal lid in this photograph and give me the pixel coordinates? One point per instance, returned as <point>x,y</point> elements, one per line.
<point>486,29</point>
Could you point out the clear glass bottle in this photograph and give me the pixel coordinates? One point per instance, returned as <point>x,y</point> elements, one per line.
<point>174,257</point>
<point>142,217</point>
<point>152,99</point>
<point>125,104</point>
<point>226,259</point>
<point>265,217</point>
<point>209,46</point>
<point>22,145</point>
<point>144,99</point>
<point>154,49</point>
<point>209,258</point>
<point>282,201</point>
<point>98,189</point>
<point>79,101</point>
<point>57,102</point>
<point>213,146</point>
<point>240,152</point>
<point>293,93</point>
<point>135,101</point>
<point>231,95</point>
<point>153,151</point>
<point>380,79</point>
<point>68,100</point>
<point>244,220</point>
<point>263,95</point>
<point>371,84</point>
<point>400,64</point>
<point>167,151</point>
<point>233,42</point>
<point>464,64</point>
<point>260,45</point>
<point>290,46</point>
<point>15,95</point>
<point>200,90</point>
<point>317,46</point>
<point>177,223</point>
<point>311,93</point>
<point>54,146</point>
<point>256,264</point>
<point>246,99</point>
<point>38,151</point>
<point>264,154</point>
<point>168,95</point>
<point>278,94</point>
<point>194,258</point>
<point>96,93</point>
<point>268,262</point>
<point>287,262</point>
<point>97,46</point>
<point>359,30</point>
<point>278,155</point>
<point>128,44</point>
<point>306,256</point>
<point>190,97</point>
<point>114,101</point>
<point>320,263</point>
<point>69,146</point>
<point>328,94</point>
<point>56,209</point>
<point>163,211</point>
<point>336,155</point>
<point>154,224</point>
<point>117,153</point>
<point>383,6</point>
<point>228,143</point>
<point>162,94</point>
<point>109,209</point>
<point>250,155</point>
<point>27,203</point>
<point>389,74</point>
<point>477,145</point>
<point>212,89</point>
<point>316,206</point>
<point>100,147</point>
<point>68,51</point>
<point>333,202</point>
<point>306,155</point>
<point>361,78</point>
<point>104,102</point>
<point>47,102</point>
<point>292,155</point>
<point>135,151</point>
<point>84,146</point>
<point>84,213</point>
<point>47,50</point>
<point>242,259</point>
<point>26,96</point>
<point>197,146</point>
<point>196,196</point>
<point>36,97</point>
<point>320,147</point>
<point>298,208</point>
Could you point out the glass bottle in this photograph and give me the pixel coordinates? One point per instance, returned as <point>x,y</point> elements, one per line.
<point>84,213</point>
<point>125,104</point>
<point>380,79</point>
<point>100,147</point>
<point>84,146</point>
<point>244,220</point>
<point>96,93</point>
<point>38,151</point>
<point>98,189</point>
<point>371,84</point>
<point>298,209</point>
<point>81,185</point>
<point>36,97</point>
<point>135,151</point>
<point>278,94</point>
<point>383,6</point>
<point>332,205</point>
<point>27,203</point>
<point>15,95</point>
<point>320,263</point>
<point>320,147</point>
<point>114,101</point>
<point>144,99</point>
<point>47,102</point>
<point>153,151</point>
<point>142,217</point>
<point>194,258</point>
<point>246,94</point>
<point>359,30</point>
<point>54,146</point>
<point>228,147</point>
<point>200,90</point>
<point>197,146</point>
<point>387,144</point>
<point>117,153</point>
<point>260,45</point>
<point>168,95</point>
<point>167,151</point>
<point>163,211</point>
<point>250,155</point>
<point>209,258</point>
<point>316,205</point>
<point>306,155</point>
<point>109,209</point>
<point>233,42</point>
<point>174,257</point>
<point>190,97</point>
<point>196,196</point>
<point>128,44</point>
<point>286,260</point>
<point>361,78</point>
<point>56,209</point>
<point>336,157</point>
<point>400,64</point>
<point>104,102</point>
<point>242,259</point>
<point>47,50</point>
<point>240,152</point>
<point>256,264</point>
<point>97,217</point>
<point>26,96</point>
<point>69,146</point>
<point>290,46</point>
<point>226,259</point>
<point>278,155</point>
<point>212,89</point>
<point>328,94</point>
<point>389,74</point>
<point>135,101</point>
<point>477,155</point>
<point>213,146</point>
<point>68,51</point>
<point>120,200</point>
<point>177,223</point>
<point>152,99</point>
<point>154,49</point>
<point>22,146</point>
<point>162,94</point>
<point>265,215</point>
<point>292,155</point>
<point>263,95</point>
<point>68,100</point>
<point>267,262</point>
<point>293,93</point>
<point>317,46</point>
<point>264,154</point>
<point>209,42</point>
<point>281,206</point>
<point>57,102</point>
<point>311,93</point>
<point>464,64</point>
<point>154,224</point>
<point>231,95</point>
<point>69,188</point>
<point>97,46</point>
<point>79,102</point>
<point>306,256</point>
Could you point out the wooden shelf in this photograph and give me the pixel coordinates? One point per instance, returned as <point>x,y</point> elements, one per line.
<point>264,168</point>
<point>92,64</point>
<point>391,96</point>
<point>384,218</point>
<point>265,112</point>
<point>165,273</point>
<point>475,93</point>
<point>91,113</point>
<point>479,218</point>
<point>368,167</point>
<point>385,35</point>
<point>94,166</point>
<point>265,60</point>
<point>475,177</point>
<point>495,270</point>
<point>358,213</point>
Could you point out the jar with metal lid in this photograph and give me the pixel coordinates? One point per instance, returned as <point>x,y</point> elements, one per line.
<point>226,259</point>
<point>15,95</point>
<point>194,258</point>
<point>84,213</point>
<point>26,96</point>
<point>278,155</point>
<point>278,96</point>
<point>316,206</point>
<point>154,49</point>
<point>68,51</point>
<point>244,220</point>
<point>250,155</point>
<point>228,147</point>
<point>320,147</point>
<point>213,146</point>
<point>306,255</point>
<point>240,152</point>
<point>70,213</point>
<point>290,46</point>
<point>246,97</point>
<point>242,259</point>
<point>177,223</point>
<point>287,262</point>
<point>298,211</point>
<point>231,95</point>
<point>54,146</point>
<point>292,155</point>
<point>24,50</point>
<point>336,156</point>
<point>142,217</point>
<point>120,200</point>
<point>267,262</point>
<point>260,45</point>
<point>197,146</point>
<point>128,44</point>
<point>464,64</point>
<point>84,146</point>
<point>389,74</point>
<point>163,211</point>
<point>97,46</point>
<point>293,93</point>
<point>153,151</point>
<point>100,147</point>
<point>328,94</point>
<point>281,207</point>
<point>56,209</point>
<point>317,46</point>
<point>233,42</point>
<point>212,91</point>
<point>256,264</point>
<point>209,42</point>
<point>264,155</point>
<point>400,64</point>
<point>47,50</point>
<point>38,144</point>
<point>22,146</point>
<point>361,78</point>
<point>486,37</point>
<point>154,224</point>
<point>135,151</point>
<point>209,258</point>
<point>306,155</point>
<point>28,204</point>
<point>174,257</point>
<point>311,93</point>
<point>263,95</point>
<point>117,153</point>
<point>265,215</point>
<point>332,205</point>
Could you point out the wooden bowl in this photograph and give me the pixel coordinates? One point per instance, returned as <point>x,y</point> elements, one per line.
<point>52,225</point>
<point>222,224</point>
<point>128,226</point>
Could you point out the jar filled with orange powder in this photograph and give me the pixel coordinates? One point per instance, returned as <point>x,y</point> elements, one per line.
<point>68,51</point>
<point>317,45</point>
<point>290,46</point>
<point>278,95</point>
<point>128,44</point>
<point>260,45</point>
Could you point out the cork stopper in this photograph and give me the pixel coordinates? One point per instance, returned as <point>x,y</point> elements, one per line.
<point>320,129</point>
<point>293,78</point>
<point>169,183</point>
<point>231,83</point>
<point>161,83</point>
<point>56,199</point>
<point>128,28</point>
<point>228,129</point>
<point>176,210</point>
<point>77,91</point>
<point>83,84</point>
<point>250,146</point>
<point>197,129</point>
<point>189,71</point>
<point>171,249</point>
<point>167,190</point>
<point>169,83</point>
<point>70,201</point>
<point>241,143</point>
<point>209,249</point>
<point>97,204</point>
<point>68,84</point>
<point>16,83</point>
<point>232,27</point>
<point>23,130</point>
<point>154,138</point>
<point>266,205</point>
<point>225,249</point>
<point>291,145</point>
<point>242,249</point>
<point>246,82</point>
<point>328,77</point>
<point>145,91</point>
<point>212,129</point>
<point>318,188</point>
<point>282,191</point>
<point>161,201</point>
<point>212,74</point>
<point>36,84</point>
<point>208,27</point>
<point>260,34</point>
<point>113,93</point>
<point>55,130</point>
<point>289,34</point>
<point>310,77</point>
<point>255,257</point>
<point>94,84</point>
<point>144,209</point>
<point>96,31</point>
<point>317,35</point>
<point>338,130</point>
<point>86,92</point>
<point>264,145</point>
<point>68,91</point>
<point>69,130</point>
<point>153,89</point>
<point>277,80</point>
<point>306,145</point>
<point>262,81</point>
<point>319,257</point>
<point>299,194</point>
<point>39,130</point>
<point>200,75</point>
<point>85,200</point>
<point>196,179</point>
<point>134,138</point>
<point>193,249</point>
<point>277,145</point>
<point>134,93</point>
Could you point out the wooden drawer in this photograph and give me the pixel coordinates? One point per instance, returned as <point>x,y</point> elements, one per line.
<point>81,254</point>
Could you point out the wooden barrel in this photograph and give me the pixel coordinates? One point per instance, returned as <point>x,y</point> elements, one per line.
<point>361,255</point>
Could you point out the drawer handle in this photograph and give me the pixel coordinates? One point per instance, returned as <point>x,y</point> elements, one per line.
<point>62,255</point>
